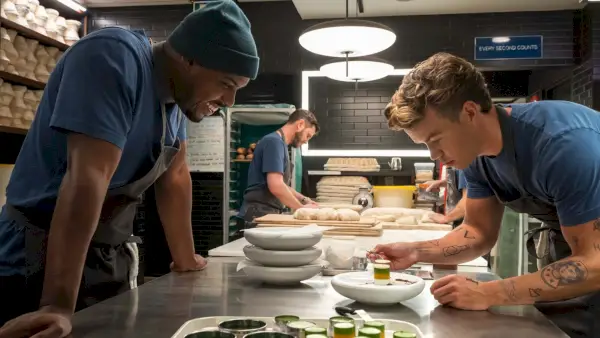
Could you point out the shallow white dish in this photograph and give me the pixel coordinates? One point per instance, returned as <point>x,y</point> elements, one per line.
<point>279,258</point>
<point>284,239</point>
<point>280,275</point>
<point>358,286</point>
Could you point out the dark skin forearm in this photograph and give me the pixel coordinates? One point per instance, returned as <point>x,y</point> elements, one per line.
<point>91,164</point>
<point>462,244</point>
<point>174,203</point>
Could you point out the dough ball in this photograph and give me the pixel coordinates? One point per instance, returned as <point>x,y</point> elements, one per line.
<point>327,214</point>
<point>408,220</point>
<point>348,215</point>
<point>304,214</point>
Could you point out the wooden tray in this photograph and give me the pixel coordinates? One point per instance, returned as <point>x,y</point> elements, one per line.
<point>375,231</point>
<point>421,226</point>
<point>289,219</point>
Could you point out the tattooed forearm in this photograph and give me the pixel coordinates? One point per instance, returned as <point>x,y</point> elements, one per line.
<point>564,273</point>
<point>509,289</point>
<point>467,236</point>
<point>435,242</point>
<point>535,293</point>
<point>454,250</point>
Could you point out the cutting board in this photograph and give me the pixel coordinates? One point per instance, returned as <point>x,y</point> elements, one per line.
<point>421,226</point>
<point>375,231</point>
<point>365,222</point>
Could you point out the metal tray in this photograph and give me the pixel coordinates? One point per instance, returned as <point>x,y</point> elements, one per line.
<point>212,323</point>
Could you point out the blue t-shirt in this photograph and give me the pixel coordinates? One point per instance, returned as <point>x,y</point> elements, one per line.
<point>462,181</point>
<point>557,149</point>
<point>269,157</point>
<point>103,87</point>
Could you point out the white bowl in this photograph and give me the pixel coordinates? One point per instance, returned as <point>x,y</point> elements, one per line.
<point>281,276</point>
<point>281,258</point>
<point>358,286</point>
<point>284,239</point>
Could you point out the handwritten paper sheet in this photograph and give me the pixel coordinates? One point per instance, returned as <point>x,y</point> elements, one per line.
<point>205,145</point>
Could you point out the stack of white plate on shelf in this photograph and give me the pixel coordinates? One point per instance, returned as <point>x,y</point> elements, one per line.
<point>340,189</point>
<point>282,255</point>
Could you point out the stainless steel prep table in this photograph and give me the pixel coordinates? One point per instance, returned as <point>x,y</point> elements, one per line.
<point>158,308</point>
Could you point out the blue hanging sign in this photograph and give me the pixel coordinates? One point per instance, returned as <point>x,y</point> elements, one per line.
<point>509,47</point>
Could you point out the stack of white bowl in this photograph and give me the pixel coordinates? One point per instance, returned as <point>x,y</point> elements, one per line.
<point>282,255</point>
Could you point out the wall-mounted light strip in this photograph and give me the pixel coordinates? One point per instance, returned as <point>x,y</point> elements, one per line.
<point>306,75</point>
<point>74,5</point>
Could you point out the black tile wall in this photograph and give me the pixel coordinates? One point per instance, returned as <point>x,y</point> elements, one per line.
<point>351,116</point>
<point>418,37</point>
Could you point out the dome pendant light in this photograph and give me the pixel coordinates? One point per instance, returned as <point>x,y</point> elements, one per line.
<point>357,70</point>
<point>347,37</point>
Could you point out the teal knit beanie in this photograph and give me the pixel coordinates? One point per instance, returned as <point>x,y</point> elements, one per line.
<point>218,37</point>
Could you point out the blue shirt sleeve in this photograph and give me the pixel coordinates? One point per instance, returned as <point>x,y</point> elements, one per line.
<point>182,131</point>
<point>97,90</point>
<point>569,171</point>
<point>477,186</point>
<point>462,181</point>
<point>273,155</point>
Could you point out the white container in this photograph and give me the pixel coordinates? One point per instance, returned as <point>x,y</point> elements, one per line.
<point>5,171</point>
<point>400,196</point>
<point>424,171</point>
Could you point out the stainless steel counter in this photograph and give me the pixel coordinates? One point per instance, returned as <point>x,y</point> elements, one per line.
<point>160,307</point>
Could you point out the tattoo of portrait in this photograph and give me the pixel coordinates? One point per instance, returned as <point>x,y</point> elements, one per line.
<point>535,293</point>
<point>473,281</point>
<point>510,289</point>
<point>454,250</point>
<point>564,273</point>
<point>435,242</point>
<point>597,225</point>
<point>575,241</point>
<point>467,236</point>
<point>597,246</point>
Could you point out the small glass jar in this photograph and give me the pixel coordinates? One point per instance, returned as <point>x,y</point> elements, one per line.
<point>381,272</point>
<point>344,330</point>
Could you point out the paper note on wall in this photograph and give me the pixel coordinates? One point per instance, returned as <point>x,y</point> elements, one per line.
<point>205,147</point>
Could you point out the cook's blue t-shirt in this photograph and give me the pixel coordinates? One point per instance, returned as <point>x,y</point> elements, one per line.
<point>103,87</point>
<point>269,157</point>
<point>557,149</point>
<point>462,181</point>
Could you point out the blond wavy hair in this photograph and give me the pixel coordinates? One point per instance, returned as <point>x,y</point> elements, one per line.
<point>443,82</point>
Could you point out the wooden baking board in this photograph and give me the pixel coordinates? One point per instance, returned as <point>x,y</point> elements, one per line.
<point>375,231</point>
<point>421,226</point>
<point>340,225</point>
<point>289,219</point>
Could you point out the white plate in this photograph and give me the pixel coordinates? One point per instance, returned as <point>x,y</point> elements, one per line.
<point>279,275</point>
<point>281,258</point>
<point>284,239</point>
<point>358,286</point>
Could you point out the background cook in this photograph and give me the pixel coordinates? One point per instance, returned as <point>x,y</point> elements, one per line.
<point>270,174</point>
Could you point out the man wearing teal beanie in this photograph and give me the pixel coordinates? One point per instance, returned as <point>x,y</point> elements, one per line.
<point>109,126</point>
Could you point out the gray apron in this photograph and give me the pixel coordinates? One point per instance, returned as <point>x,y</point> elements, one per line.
<point>110,260</point>
<point>260,202</point>
<point>576,316</point>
